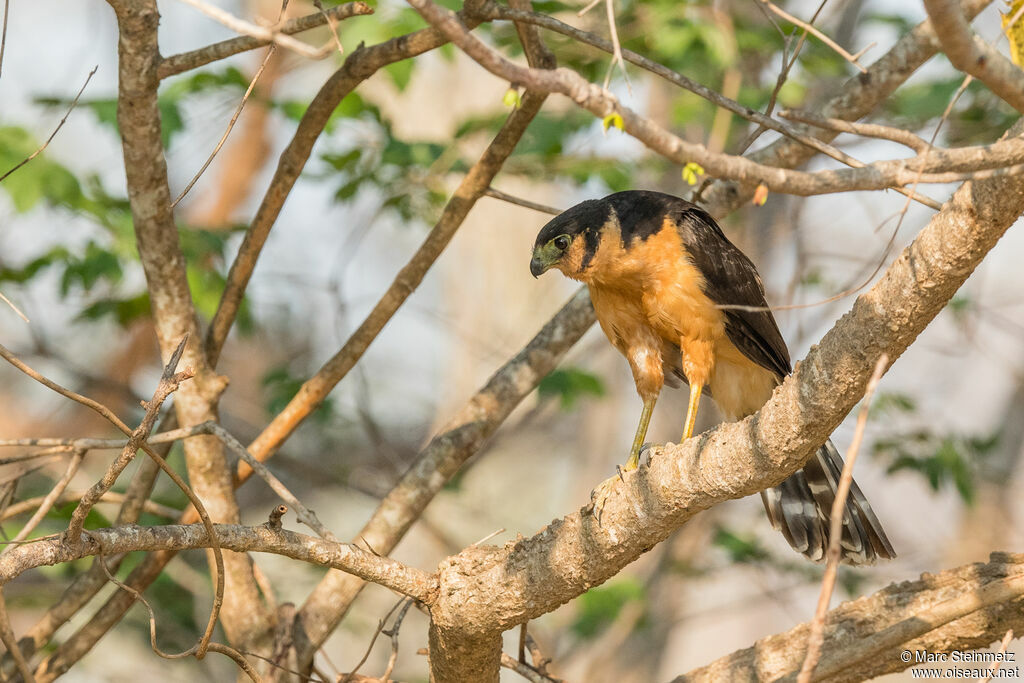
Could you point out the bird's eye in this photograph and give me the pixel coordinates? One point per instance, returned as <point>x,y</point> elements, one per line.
<point>561,242</point>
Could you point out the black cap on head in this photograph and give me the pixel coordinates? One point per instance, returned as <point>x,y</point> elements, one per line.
<point>588,215</point>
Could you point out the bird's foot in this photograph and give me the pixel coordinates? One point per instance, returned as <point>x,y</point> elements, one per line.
<point>599,496</point>
<point>645,450</point>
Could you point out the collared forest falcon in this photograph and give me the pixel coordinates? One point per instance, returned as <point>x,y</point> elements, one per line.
<point>667,287</point>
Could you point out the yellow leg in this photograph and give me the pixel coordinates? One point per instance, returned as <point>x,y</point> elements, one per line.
<point>599,496</point>
<point>641,432</point>
<point>691,412</point>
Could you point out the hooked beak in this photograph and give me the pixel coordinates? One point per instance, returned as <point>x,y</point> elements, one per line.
<point>537,267</point>
<point>543,260</point>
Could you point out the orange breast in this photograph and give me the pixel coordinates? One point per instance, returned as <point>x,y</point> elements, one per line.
<point>652,291</point>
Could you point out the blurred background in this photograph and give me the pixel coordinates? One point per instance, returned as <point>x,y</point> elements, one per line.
<point>940,463</point>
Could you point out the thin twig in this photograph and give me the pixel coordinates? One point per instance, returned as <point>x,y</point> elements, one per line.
<point>788,62</point>
<point>333,23</point>
<point>518,201</point>
<point>23,506</point>
<point>525,670</point>
<point>852,59</point>
<point>1002,650</point>
<point>259,32</point>
<point>816,633</point>
<point>195,649</point>
<point>51,498</point>
<point>488,537</point>
<point>10,641</point>
<point>36,153</point>
<point>176,64</point>
<point>200,509</point>
<point>231,124</point>
<point>3,34</point>
<point>872,130</point>
<point>13,307</point>
<point>617,49</point>
<point>393,634</point>
<point>304,514</point>
<point>168,384</point>
<point>347,678</point>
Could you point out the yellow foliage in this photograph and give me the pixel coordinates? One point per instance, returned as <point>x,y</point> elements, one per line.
<point>1013,25</point>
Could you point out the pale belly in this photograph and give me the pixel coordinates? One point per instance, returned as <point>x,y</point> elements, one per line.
<point>740,388</point>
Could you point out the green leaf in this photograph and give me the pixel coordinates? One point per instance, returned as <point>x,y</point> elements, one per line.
<point>598,607</point>
<point>280,386</point>
<point>29,270</point>
<point>893,402</point>
<point>401,73</point>
<point>97,263</point>
<point>123,311</point>
<point>38,180</point>
<point>741,549</point>
<point>569,385</point>
<point>171,121</point>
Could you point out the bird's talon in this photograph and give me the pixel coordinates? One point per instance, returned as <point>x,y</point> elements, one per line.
<point>618,470</point>
<point>599,496</point>
<point>644,450</point>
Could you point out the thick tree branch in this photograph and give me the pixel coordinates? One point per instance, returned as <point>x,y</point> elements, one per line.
<point>245,618</point>
<point>965,608</point>
<point>488,590</point>
<point>130,538</point>
<point>972,55</point>
<point>360,65</point>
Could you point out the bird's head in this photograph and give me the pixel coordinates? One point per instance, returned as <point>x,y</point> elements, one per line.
<point>570,240</point>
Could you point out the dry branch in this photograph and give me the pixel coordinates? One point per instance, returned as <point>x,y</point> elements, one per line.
<point>168,384</point>
<point>835,535</point>
<point>713,96</point>
<point>23,506</point>
<point>359,66</point>
<point>571,555</point>
<point>457,441</point>
<point>176,64</point>
<point>858,97</point>
<point>972,55</point>
<point>962,609</point>
<point>245,618</point>
<point>473,186</point>
<point>965,164</point>
<point>382,570</point>
<point>259,33</point>
<point>43,146</point>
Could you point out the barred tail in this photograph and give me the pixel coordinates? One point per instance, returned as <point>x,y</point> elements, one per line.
<point>800,508</point>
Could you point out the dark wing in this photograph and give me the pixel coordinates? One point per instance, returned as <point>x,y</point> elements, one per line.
<point>732,280</point>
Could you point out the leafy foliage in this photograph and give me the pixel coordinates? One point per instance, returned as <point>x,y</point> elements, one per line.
<point>570,385</point>
<point>942,460</point>
<point>742,549</point>
<point>280,387</point>
<point>598,607</point>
